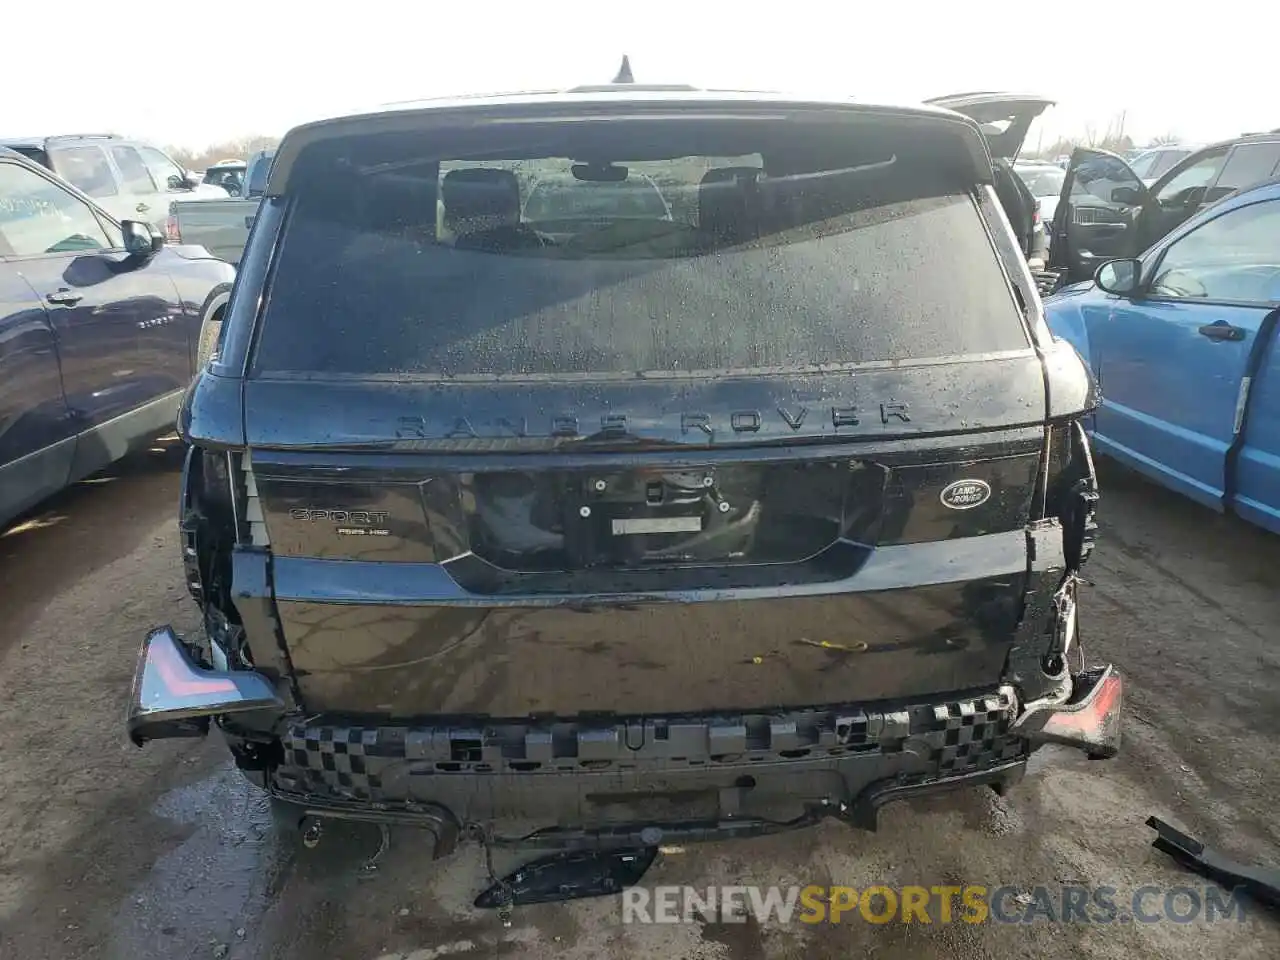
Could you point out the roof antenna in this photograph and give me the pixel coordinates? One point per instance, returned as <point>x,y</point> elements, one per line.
<point>624,73</point>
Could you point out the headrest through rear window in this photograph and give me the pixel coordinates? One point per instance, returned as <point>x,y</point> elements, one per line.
<point>728,205</point>
<point>481,192</point>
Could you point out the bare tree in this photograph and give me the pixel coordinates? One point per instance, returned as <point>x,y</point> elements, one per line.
<point>240,149</point>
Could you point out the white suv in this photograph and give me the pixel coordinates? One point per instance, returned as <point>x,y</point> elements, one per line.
<point>130,179</point>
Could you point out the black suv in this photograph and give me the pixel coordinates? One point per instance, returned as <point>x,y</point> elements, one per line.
<point>692,525</point>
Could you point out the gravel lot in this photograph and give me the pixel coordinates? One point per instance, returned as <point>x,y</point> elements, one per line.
<point>165,853</point>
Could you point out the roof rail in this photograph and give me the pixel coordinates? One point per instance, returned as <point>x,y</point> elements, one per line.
<point>84,136</point>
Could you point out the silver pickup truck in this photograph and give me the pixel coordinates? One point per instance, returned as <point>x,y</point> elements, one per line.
<point>221,226</point>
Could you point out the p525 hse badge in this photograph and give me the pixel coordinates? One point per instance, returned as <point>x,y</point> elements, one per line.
<point>370,521</point>
<point>965,494</point>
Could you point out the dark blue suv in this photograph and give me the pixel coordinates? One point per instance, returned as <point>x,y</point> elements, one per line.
<point>99,328</point>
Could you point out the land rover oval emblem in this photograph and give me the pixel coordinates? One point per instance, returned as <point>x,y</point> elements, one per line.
<point>965,494</point>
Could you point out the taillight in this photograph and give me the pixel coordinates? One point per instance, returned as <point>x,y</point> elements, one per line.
<point>172,232</point>
<point>1035,217</point>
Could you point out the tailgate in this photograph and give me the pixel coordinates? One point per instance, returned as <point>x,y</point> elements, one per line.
<point>774,444</point>
<point>516,582</point>
<point>220,226</point>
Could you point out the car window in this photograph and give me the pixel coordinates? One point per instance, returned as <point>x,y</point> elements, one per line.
<point>397,261</point>
<point>1166,160</point>
<point>562,198</point>
<point>256,176</point>
<point>35,154</point>
<point>1247,164</point>
<point>1042,181</point>
<point>1144,162</point>
<point>223,176</point>
<point>1156,163</point>
<point>1232,257</point>
<point>37,216</point>
<point>1187,186</point>
<point>86,168</point>
<point>132,170</point>
<point>161,167</point>
<point>1097,176</point>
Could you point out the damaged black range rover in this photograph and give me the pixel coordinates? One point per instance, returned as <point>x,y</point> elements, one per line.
<point>735,483</point>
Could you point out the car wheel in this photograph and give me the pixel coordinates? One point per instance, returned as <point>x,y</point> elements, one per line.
<point>209,331</point>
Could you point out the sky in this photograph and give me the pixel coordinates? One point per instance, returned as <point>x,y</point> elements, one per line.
<point>193,74</point>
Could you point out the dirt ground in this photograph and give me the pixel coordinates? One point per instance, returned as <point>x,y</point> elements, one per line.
<point>165,853</point>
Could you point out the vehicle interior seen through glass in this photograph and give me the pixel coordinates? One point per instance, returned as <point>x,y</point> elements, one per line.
<point>661,246</point>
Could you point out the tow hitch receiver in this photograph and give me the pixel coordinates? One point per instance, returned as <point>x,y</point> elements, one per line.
<point>175,697</point>
<point>569,876</point>
<point>1086,714</point>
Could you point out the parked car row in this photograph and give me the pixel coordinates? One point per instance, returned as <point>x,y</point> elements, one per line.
<point>100,324</point>
<point>222,226</point>
<point>129,179</point>
<point>1113,213</point>
<point>1180,328</point>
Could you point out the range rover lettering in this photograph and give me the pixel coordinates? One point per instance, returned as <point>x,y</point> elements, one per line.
<point>762,507</point>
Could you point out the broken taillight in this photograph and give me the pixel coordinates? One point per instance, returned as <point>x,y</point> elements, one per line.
<point>1091,724</point>
<point>173,696</point>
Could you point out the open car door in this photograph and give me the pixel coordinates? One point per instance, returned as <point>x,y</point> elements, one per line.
<point>1097,215</point>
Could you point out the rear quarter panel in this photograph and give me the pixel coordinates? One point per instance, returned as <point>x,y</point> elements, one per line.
<point>1065,318</point>
<point>203,283</point>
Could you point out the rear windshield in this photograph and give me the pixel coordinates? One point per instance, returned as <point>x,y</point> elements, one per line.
<point>34,154</point>
<point>1042,181</point>
<point>631,249</point>
<point>227,176</point>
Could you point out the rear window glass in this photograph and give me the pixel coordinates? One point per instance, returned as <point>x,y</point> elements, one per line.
<point>226,177</point>
<point>631,249</point>
<point>34,154</point>
<point>1042,181</point>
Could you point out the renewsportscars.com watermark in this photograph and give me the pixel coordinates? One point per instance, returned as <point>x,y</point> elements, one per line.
<point>972,903</point>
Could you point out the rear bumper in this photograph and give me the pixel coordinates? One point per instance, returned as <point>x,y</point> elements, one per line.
<point>758,772</point>
<point>563,783</point>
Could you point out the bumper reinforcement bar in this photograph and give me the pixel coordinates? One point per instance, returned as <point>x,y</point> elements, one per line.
<point>1261,883</point>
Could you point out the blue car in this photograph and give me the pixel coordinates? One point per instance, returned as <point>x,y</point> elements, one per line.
<point>99,330</point>
<point>1182,341</point>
